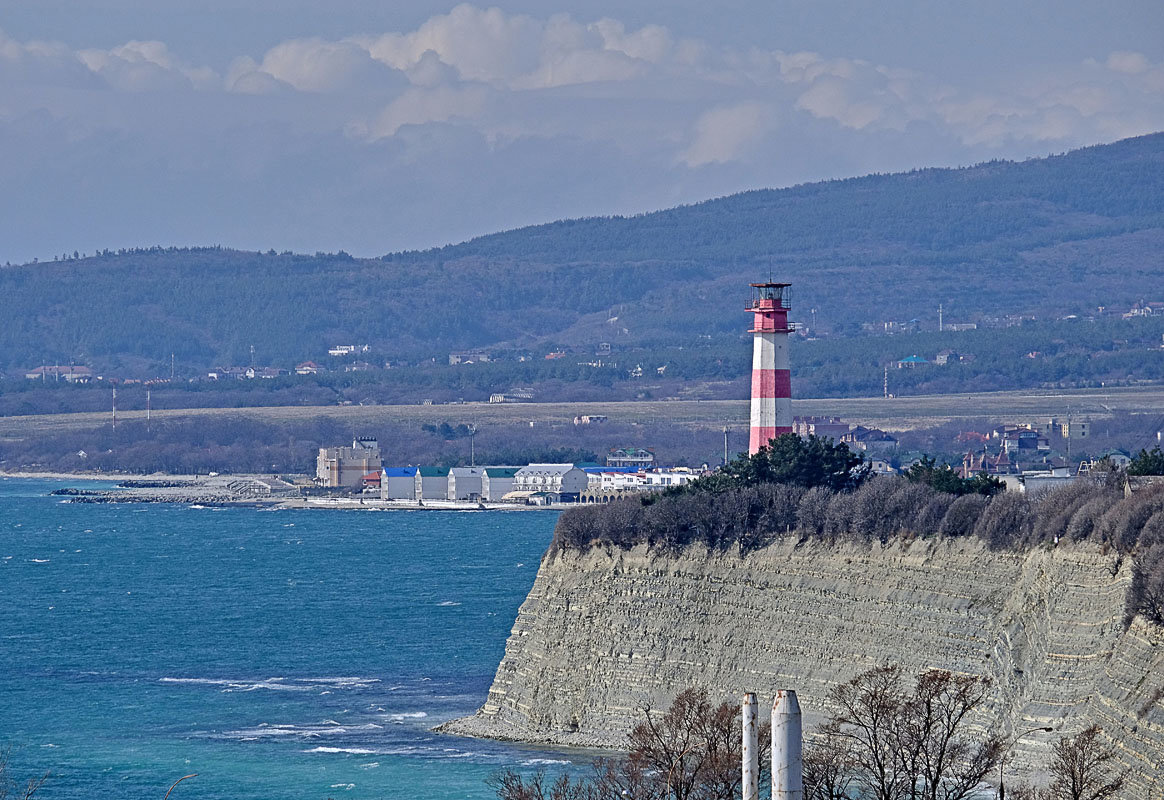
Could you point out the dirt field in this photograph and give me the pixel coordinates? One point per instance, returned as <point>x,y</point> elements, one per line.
<point>895,414</point>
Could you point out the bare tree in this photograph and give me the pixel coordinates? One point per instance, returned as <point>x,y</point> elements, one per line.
<point>692,751</point>
<point>941,764</point>
<point>912,746</point>
<point>828,765</point>
<point>868,707</point>
<point>1083,768</point>
<point>10,789</point>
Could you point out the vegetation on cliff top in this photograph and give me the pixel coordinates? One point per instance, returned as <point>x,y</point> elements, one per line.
<point>818,492</point>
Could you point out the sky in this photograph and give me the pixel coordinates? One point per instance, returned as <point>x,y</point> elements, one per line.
<point>373,126</point>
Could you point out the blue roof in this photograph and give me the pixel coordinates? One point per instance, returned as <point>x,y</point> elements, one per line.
<point>913,360</point>
<point>399,472</point>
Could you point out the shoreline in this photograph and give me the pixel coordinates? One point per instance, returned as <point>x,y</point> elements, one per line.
<point>217,491</point>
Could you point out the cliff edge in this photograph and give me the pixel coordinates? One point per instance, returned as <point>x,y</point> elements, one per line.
<point>604,633</point>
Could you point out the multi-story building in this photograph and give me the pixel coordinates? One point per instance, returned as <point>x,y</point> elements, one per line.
<point>347,466</point>
<point>630,457</point>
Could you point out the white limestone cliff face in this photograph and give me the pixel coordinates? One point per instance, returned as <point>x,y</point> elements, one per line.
<point>603,634</point>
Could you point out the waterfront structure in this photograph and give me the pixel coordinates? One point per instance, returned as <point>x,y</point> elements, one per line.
<point>432,483</point>
<point>771,378</point>
<point>496,482</point>
<point>465,483</point>
<point>398,483</point>
<point>347,466</point>
<point>564,480</point>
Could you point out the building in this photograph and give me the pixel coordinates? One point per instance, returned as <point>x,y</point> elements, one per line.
<point>496,482</point>
<point>771,378</point>
<point>398,483</point>
<point>431,483</point>
<point>869,440</point>
<point>465,483</point>
<point>636,457</point>
<point>58,372</point>
<point>909,362</point>
<point>346,466</point>
<point>564,481</point>
<point>468,357</point>
<point>590,419</point>
<point>308,368</point>
<point>823,427</point>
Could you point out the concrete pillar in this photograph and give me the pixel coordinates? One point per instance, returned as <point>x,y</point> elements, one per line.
<point>787,764</point>
<point>751,766</point>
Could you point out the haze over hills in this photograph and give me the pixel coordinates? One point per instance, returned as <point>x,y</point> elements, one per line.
<point>1046,237</point>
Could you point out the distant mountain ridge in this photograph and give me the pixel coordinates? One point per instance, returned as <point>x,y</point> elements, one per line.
<point>1046,236</point>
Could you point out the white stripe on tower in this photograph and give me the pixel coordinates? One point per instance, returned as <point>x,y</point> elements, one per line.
<point>771,389</point>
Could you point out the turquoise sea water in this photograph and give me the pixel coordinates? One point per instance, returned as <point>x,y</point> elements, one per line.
<point>278,654</point>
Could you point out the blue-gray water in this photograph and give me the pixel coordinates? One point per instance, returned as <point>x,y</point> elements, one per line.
<point>278,654</point>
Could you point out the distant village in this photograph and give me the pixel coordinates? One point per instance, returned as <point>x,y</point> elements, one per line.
<point>356,358</point>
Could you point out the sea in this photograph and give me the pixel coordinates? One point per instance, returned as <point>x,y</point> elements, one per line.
<point>273,654</point>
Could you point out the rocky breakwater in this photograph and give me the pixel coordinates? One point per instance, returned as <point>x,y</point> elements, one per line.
<point>606,632</point>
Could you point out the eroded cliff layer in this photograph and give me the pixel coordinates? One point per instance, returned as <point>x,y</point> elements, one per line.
<point>605,633</point>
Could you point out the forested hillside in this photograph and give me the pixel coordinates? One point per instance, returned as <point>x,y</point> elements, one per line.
<point>1045,237</point>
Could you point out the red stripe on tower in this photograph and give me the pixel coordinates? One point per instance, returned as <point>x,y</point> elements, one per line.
<point>771,379</point>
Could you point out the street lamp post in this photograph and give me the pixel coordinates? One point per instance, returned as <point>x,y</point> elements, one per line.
<point>1002,761</point>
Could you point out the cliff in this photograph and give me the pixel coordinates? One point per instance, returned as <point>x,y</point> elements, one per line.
<point>604,633</point>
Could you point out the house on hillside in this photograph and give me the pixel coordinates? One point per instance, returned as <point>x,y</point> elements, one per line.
<point>909,362</point>
<point>308,368</point>
<point>58,372</point>
<point>637,457</point>
<point>822,427</point>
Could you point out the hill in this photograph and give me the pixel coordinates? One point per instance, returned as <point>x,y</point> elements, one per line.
<point>1044,237</point>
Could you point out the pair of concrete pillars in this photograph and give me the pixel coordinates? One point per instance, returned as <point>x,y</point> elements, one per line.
<point>787,737</point>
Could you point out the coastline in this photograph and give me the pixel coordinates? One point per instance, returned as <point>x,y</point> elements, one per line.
<point>240,490</point>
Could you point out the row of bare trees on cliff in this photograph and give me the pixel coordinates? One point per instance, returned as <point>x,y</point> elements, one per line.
<point>883,741</point>
<point>820,497</point>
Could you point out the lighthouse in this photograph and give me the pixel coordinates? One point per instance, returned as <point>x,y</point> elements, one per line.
<point>771,379</point>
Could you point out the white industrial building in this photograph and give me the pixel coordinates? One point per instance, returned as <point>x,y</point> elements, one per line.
<point>431,483</point>
<point>465,483</point>
<point>496,482</point>
<point>398,483</point>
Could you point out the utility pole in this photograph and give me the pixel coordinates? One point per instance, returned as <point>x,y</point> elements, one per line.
<point>725,445</point>
<point>885,388</point>
<point>252,356</point>
<point>939,317</point>
<point>114,408</point>
<point>472,445</point>
<point>147,410</point>
<point>171,367</point>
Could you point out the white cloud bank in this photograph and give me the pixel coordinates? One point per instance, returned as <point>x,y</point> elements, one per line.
<point>647,117</point>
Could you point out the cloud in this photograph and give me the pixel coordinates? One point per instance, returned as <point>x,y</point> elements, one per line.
<point>421,106</point>
<point>641,116</point>
<point>725,134</point>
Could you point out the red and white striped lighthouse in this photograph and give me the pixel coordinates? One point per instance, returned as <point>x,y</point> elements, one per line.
<point>771,379</point>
